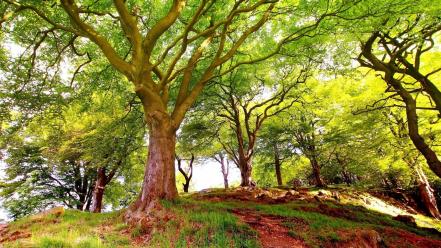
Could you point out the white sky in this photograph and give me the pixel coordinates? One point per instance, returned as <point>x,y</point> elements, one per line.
<point>207,174</point>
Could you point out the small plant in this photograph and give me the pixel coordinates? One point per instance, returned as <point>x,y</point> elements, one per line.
<point>334,237</point>
<point>138,231</point>
<point>294,234</point>
<point>47,242</point>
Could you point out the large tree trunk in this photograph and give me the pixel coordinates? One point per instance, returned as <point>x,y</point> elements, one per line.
<point>245,173</point>
<point>426,194</point>
<point>277,165</point>
<point>316,173</point>
<point>98,192</point>
<point>159,178</point>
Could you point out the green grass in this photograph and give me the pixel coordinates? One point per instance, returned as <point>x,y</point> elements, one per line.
<point>197,223</point>
<point>204,224</point>
<point>73,229</point>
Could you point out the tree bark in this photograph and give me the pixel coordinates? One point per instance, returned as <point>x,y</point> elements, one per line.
<point>225,172</point>
<point>427,194</point>
<point>277,165</point>
<point>187,175</point>
<point>159,178</point>
<point>316,172</point>
<point>245,173</point>
<point>412,125</point>
<point>98,192</point>
<point>411,107</point>
<point>225,167</point>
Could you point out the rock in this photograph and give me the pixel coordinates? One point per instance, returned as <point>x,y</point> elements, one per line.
<point>407,219</point>
<point>296,183</point>
<point>336,195</point>
<point>317,198</point>
<point>292,192</point>
<point>360,238</point>
<point>367,201</point>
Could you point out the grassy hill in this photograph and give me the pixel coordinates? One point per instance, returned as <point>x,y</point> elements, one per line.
<point>238,218</point>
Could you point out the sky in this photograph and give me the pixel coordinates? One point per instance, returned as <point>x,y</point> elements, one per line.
<point>205,175</point>
<point>209,175</point>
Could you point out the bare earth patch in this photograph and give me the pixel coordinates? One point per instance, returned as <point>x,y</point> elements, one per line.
<point>7,236</point>
<point>271,233</point>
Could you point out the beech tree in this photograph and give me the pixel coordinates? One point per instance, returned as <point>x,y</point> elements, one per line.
<point>169,53</point>
<point>246,110</point>
<point>222,159</point>
<point>400,61</point>
<point>187,173</point>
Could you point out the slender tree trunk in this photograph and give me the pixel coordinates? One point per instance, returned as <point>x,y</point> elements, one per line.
<point>427,194</point>
<point>159,178</point>
<point>346,177</point>
<point>89,198</point>
<point>225,167</point>
<point>226,186</point>
<point>187,175</point>
<point>316,173</point>
<point>225,171</point>
<point>277,165</point>
<point>98,192</point>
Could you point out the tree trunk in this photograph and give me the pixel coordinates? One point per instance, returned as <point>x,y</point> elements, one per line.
<point>277,165</point>
<point>347,178</point>
<point>226,186</point>
<point>316,173</point>
<point>245,173</point>
<point>185,186</point>
<point>159,178</point>
<point>187,175</point>
<point>427,194</point>
<point>98,192</point>
<point>225,167</point>
<point>412,124</point>
<point>225,171</point>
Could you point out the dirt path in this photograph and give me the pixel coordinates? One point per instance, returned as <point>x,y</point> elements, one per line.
<point>272,234</point>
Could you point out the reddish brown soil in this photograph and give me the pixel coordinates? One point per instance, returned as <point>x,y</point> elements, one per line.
<point>360,238</point>
<point>253,195</point>
<point>400,238</point>
<point>6,236</point>
<point>271,233</point>
<point>330,211</point>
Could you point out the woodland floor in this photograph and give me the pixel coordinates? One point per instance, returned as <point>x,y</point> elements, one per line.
<point>240,218</point>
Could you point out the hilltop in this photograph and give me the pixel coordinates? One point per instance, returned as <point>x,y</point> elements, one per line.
<point>242,217</point>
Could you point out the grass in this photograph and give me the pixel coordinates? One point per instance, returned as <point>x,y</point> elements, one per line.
<point>73,229</point>
<point>198,223</point>
<point>204,224</point>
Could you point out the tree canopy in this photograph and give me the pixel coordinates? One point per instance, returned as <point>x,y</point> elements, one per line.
<point>103,102</point>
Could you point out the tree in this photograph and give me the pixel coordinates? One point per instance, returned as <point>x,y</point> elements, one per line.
<point>137,40</point>
<point>246,110</point>
<point>222,159</point>
<point>187,174</point>
<point>74,155</point>
<point>403,46</point>
<point>399,131</point>
<point>275,145</point>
